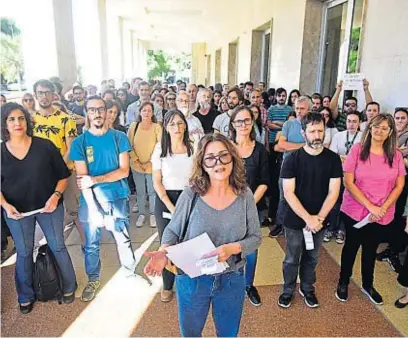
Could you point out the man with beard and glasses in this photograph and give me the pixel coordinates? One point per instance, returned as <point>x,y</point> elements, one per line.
<point>221,122</point>
<point>311,184</point>
<point>101,157</point>
<point>132,112</point>
<point>58,127</point>
<point>206,113</point>
<point>78,107</point>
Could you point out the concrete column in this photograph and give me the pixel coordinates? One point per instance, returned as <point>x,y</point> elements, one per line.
<point>127,51</point>
<point>114,47</point>
<point>198,64</point>
<point>121,48</point>
<point>48,41</point>
<point>103,31</point>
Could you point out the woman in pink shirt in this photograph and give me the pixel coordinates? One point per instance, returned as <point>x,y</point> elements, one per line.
<point>374,176</point>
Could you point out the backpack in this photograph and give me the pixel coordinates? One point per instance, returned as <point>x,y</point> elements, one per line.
<point>47,279</point>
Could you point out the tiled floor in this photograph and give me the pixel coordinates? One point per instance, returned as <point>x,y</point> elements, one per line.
<point>127,307</point>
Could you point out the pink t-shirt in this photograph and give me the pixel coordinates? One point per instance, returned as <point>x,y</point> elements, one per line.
<point>375,179</point>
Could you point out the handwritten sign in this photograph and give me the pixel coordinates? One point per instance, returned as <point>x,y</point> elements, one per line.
<point>353,81</point>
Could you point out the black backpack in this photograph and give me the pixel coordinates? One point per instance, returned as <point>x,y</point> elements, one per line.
<point>47,278</point>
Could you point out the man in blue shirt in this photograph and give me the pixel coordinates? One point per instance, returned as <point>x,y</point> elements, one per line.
<point>101,161</point>
<point>291,139</point>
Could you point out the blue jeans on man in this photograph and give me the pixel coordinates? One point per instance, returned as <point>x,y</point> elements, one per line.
<point>90,220</point>
<point>225,293</point>
<point>52,224</point>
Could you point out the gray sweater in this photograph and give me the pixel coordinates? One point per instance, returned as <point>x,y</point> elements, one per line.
<point>238,222</point>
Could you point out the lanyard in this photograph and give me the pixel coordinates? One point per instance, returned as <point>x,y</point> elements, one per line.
<point>348,143</point>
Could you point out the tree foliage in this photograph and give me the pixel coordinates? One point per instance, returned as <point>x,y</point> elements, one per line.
<point>157,64</point>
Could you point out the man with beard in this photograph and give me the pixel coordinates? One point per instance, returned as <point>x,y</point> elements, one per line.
<point>195,129</point>
<point>78,107</point>
<point>206,113</point>
<point>311,184</point>
<point>132,113</point>
<point>58,127</point>
<point>101,157</point>
<point>221,122</point>
<point>317,100</point>
<point>248,88</point>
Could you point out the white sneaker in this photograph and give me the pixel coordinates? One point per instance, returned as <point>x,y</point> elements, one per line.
<point>140,221</point>
<point>152,221</point>
<point>135,208</point>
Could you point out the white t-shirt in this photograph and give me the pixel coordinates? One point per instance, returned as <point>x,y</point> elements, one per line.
<point>175,169</point>
<point>221,123</point>
<point>338,144</point>
<point>329,134</point>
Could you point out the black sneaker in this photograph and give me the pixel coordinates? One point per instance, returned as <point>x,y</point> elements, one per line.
<point>285,300</point>
<point>342,292</point>
<point>310,299</point>
<point>276,232</point>
<point>383,255</point>
<point>373,295</point>
<point>394,262</point>
<point>253,296</point>
<point>340,237</point>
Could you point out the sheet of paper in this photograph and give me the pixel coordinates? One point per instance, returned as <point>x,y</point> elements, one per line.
<point>185,255</point>
<point>353,81</point>
<point>363,222</point>
<point>30,213</point>
<point>308,239</point>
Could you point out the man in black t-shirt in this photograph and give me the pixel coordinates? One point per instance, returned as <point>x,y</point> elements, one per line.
<point>311,184</point>
<point>205,112</point>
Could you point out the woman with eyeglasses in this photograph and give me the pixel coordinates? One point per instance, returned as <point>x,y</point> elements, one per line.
<point>255,156</point>
<point>41,190</point>
<point>172,162</point>
<point>330,127</point>
<point>224,209</point>
<point>374,176</point>
<point>170,101</point>
<point>28,103</point>
<point>143,136</point>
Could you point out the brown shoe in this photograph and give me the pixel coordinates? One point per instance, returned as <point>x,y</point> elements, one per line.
<point>166,296</point>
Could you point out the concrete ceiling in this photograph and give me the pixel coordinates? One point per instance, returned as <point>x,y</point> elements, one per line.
<point>176,23</point>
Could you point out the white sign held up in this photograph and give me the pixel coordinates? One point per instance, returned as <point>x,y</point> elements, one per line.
<point>353,81</point>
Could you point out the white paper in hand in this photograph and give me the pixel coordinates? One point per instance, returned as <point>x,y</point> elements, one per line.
<point>363,222</point>
<point>309,243</point>
<point>30,213</point>
<point>185,256</point>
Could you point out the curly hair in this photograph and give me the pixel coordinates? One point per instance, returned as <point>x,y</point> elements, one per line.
<point>200,180</point>
<point>6,111</point>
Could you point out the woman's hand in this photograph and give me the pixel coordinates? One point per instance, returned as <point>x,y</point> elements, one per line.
<point>225,251</point>
<point>51,204</point>
<point>12,212</point>
<point>156,264</point>
<point>377,212</point>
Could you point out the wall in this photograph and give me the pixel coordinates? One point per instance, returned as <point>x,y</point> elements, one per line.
<point>286,42</point>
<point>384,52</point>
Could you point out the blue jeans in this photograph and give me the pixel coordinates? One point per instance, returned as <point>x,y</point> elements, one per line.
<point>143,181</point>
<point>52,224</point>
<point>90,220</point>
<point>225,293</point>
<point>283,205</point>
<point>300,261</point>
<point>250,265</point>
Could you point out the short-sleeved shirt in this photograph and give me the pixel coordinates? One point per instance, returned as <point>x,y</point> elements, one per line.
<point>312,176</point>
<point>207,120</point>
<point>101,154</point>
<point>175,169</point>
<point>56,127</point>
<point>277,113</point>
<point>79,110</point>
<point>291,130</point>
<point>27,184</point>
<point>343,141</point>
<point>375,178</point>
<point>221,123</point>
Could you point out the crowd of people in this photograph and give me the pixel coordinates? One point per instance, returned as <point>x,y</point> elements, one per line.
<point>215,160</point>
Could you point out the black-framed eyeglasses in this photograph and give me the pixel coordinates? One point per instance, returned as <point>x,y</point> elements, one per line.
<point>212,161</point>
<point>93,110</point>
<point>240,123</point>
<point>46,93</point>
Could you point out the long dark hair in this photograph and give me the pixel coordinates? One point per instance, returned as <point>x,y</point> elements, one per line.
<point>330,123</point>
<point>6,110</point>
<point>166,139</point>
<point>144,104</point>
<point>258,121</point>
<point>389,145</point>
<point>232,132</point>
<point>290,103</point>
<point>110,105</point>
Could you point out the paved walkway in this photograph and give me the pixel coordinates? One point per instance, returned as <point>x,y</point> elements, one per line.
<point>132,307</point>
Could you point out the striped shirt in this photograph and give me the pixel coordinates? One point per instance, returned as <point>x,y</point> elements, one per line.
<point>277,113</point>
